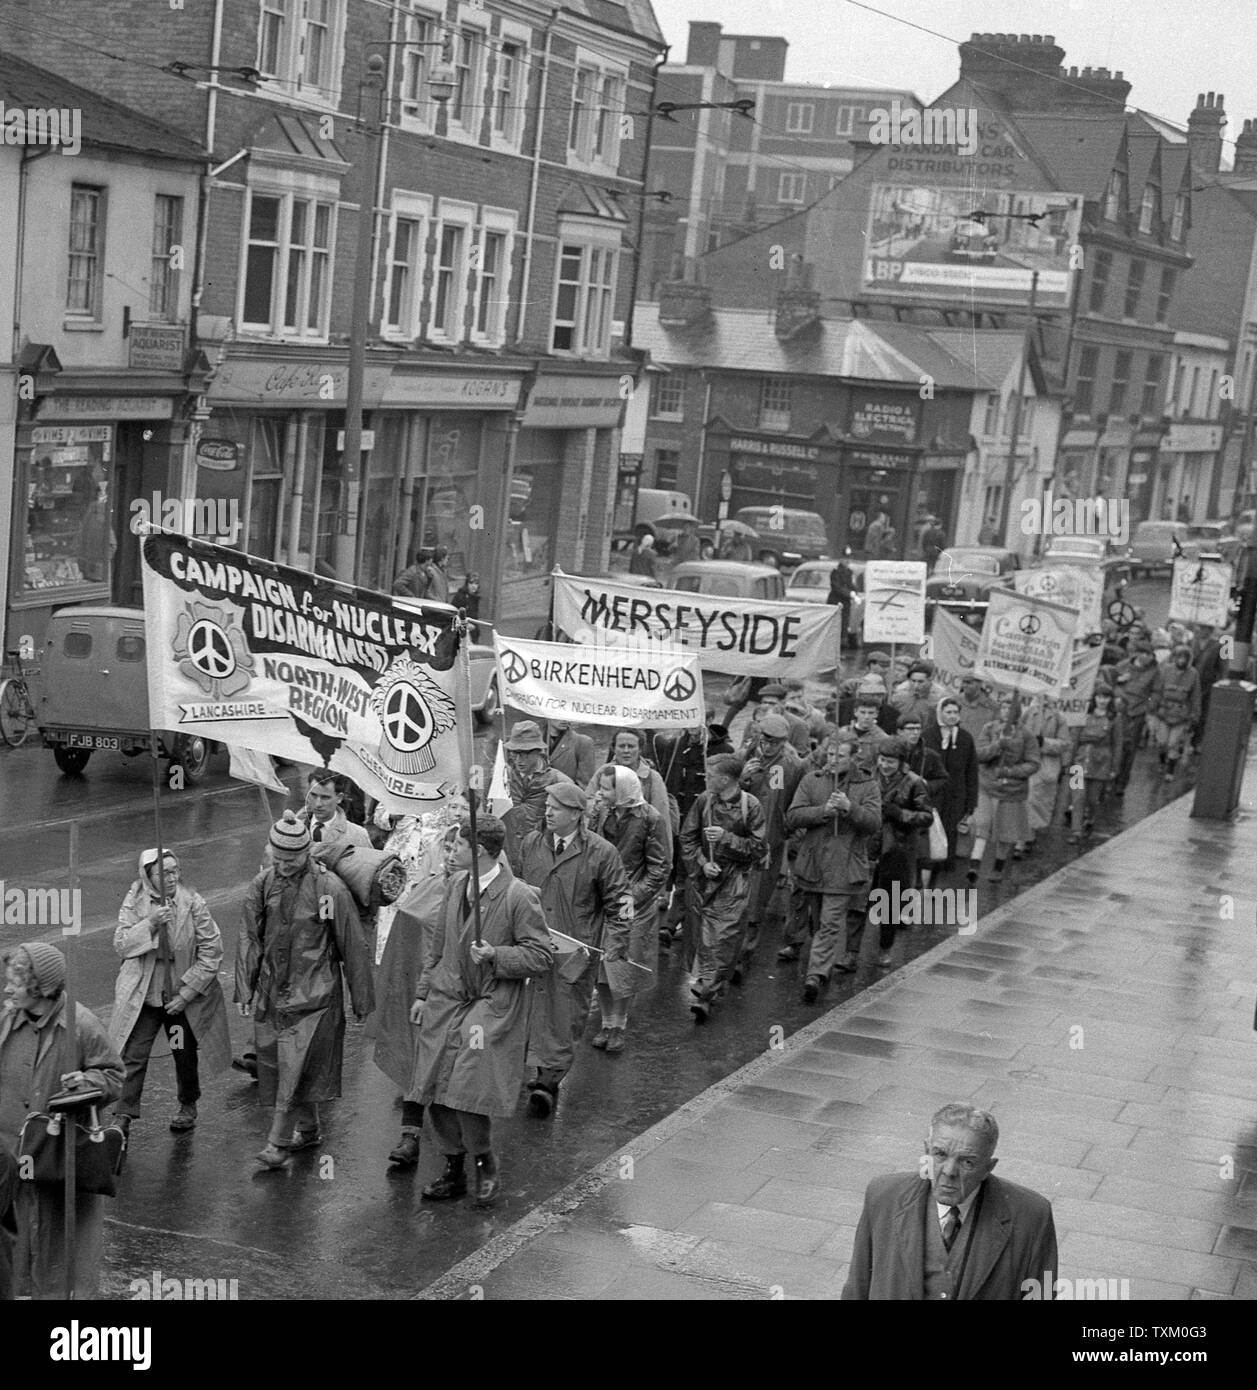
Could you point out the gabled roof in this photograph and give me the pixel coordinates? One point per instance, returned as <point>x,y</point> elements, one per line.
<point>1081,151</point>
<point>857,349</point>
<point>988,353</point>
<point>105,124</point>
<point>635,16</point>
<point>587,200</point>
<point>287,133</point>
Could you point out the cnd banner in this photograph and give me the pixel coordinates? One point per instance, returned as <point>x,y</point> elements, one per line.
<point>622,686</point>
<point>743,637</point>
<point>1027,643</point>
<point>277,660</point>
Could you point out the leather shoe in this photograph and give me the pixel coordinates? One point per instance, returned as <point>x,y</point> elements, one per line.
<point>615,1040</point>
<point>405,1153</point>
<point>811,989</point>
<point>541,1102</point>
<point>452,1183</point>
<point>304,1139</point>
<point>600,1037</point>
<point>185,1118</point>
<point>788,953</point>
<point>487,1180</point>
<point>272,1156</point>
<point>849,964</point>
<point>247,1064</point>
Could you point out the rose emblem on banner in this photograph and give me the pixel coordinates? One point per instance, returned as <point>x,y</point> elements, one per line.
<point>210,645</point>
<point>412,710</point>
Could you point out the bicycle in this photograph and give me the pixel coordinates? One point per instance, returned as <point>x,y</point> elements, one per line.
<point>17,711</point>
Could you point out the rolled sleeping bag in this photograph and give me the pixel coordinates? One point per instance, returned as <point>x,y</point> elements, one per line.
<point>371,875</point>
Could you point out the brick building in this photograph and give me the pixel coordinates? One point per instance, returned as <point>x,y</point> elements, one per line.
<point>497,361</point>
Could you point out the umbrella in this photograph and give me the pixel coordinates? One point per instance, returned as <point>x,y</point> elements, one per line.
<point>676,519</point>
<point>738,528</point>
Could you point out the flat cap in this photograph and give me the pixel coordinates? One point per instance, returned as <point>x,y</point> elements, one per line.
<point>568,794</point>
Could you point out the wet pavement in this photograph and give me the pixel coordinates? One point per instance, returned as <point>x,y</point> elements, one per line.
<point>1105,1016</point>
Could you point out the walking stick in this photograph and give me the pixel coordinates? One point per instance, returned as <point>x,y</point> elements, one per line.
<point>70,1125</point>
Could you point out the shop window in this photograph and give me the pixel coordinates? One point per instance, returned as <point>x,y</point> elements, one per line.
<point>87,251</point>
<point>163,278</point>
<point>69,541</point>
<point>285,289</point>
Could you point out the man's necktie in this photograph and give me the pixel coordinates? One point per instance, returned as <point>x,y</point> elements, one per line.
<point>318,831</point>
<point>951,1226</point>
<point>559,847</point>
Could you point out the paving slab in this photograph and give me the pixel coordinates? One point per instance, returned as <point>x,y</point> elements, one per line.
<point>1104,1015</point>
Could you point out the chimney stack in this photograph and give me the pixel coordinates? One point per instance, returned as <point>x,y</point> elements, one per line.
<point>683,301</point>
<point>798,304</point>
<point>1204,132</point>
<point>1246,151</point>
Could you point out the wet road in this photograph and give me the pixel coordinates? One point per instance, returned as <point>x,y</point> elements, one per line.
<point>337,1223</point>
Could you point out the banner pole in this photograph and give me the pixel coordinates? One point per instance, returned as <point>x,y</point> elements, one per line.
<point>70,1123</point>
<point>472,769</point>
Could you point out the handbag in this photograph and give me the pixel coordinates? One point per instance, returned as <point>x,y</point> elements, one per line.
<point>938,839</point>
<point>99,1151</point>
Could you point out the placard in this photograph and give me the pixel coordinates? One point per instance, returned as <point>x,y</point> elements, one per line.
<point>894,601</point>
<point>1200,592</point>
<point>1026,643</point>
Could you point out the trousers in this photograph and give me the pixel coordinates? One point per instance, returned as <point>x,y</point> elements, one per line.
<point>828,918</point>
<point>138,1048</point>
<point>560,1010</point>
<point>461,1131</point>
<point>720,929</point>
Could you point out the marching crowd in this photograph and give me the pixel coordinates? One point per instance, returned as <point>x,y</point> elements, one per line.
<point>675,840</point>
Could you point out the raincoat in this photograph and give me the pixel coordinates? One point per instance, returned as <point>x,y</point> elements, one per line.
<point>1097,746</point>
<point>575,756</point>
<point>1054,735</point>
<point>833,852</point>
<point>636,831</point>
<point>289,958</point>
<point>414,925</point>
<point>38,1255</point>
<point>1176,695</point>
<point>197,946</point>
<point>529,810</point>
<point>581,894</point>
<point>472,1040</point>
<point>654,792</point>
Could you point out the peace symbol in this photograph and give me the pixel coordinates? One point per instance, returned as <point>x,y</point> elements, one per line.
<point>1030,624</point>
<point>210,651</point>
<point>407,720</point>
<point>1048,583</point>
<point>513,666</point>
<point>1123,614</point>
<point>679,686</point>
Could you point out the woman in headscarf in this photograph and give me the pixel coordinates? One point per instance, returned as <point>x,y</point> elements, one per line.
<point>621,815</point>
<point>171,950</point>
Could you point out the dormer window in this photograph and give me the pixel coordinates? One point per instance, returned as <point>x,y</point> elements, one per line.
<point>1178,219</point>
<point>1148,209</point>
<point>1113,197</point>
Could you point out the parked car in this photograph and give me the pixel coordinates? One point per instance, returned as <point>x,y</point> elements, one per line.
<point>976,561</point>
<point>787,535</point>
<point>1152,545</point>
<point>810,584</point>
<point>1112,558</point>
<point>729,578</point>
<point>963,579</point>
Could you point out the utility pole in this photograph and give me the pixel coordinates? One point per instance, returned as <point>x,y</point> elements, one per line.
<point>351,459</point>
<point>1010,466</point>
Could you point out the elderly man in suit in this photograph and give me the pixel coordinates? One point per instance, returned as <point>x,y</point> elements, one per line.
<point>952,1231</point>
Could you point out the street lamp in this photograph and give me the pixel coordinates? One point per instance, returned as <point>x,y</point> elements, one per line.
<point>441,83</point>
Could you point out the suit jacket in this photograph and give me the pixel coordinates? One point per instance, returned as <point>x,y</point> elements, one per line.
<point>1014,1241</point>
<point>961,761</point>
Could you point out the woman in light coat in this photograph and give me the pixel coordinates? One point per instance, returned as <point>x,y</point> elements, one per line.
<point>621,815</point>
<point>1008,756</point>
<point>1097,755</point>
<point>1043,718</point>
<point>185,999</point>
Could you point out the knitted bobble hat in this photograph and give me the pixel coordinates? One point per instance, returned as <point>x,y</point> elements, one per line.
<point>289,833</point>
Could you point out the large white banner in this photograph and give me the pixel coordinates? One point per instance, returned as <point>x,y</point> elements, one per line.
<point>1075,586</point>
<point>1026,643</point>
<point>743,637</point>
<point>1200,592</point>
<point>587,684</point>
<point>278,660</point>
<point>954,648</point>
<point>1076,696</point>
<point>894,601</point>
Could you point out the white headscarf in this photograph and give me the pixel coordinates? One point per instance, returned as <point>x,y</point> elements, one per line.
<point>628,787</point>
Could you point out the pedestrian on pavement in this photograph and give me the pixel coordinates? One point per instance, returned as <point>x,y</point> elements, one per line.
<point>436,570</point>
<point>471,1009</point>
<point>628,748</point>
<point>977,709</point>
<point>723,838</point>
<point>932,541</point>
<point>1094,758</point>
<point>905,840</point>
<point>171,950</point>
<point>529,778</point>
<point>413,581</point>
<point>928,765</point>
<point>950,1230</point>
<point>571,753</point>
<point>585,895</point>
<point>956,746</point>
<point>841,587</point>
<point>37,1063</point>
<point>1174,708</point>
<point>836,813</point>
<point>300,930</point>
<point>772,775</point>
<point>621,816</point>
<point>1008,756</point>
<point>1042,716</point>
<point>416,918</point>
<point>643,559</point>
<point>1210,667</point>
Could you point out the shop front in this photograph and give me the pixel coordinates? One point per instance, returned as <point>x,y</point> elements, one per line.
<point>768,470</point>
<point>1184,473</point>
<point>876,503</point>
<point>82,458</point>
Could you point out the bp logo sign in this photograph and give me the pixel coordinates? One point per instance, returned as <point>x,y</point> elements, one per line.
<point>210,647</point>
<point>412,710</point>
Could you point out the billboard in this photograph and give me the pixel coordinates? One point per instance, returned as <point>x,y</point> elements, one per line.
<point>925,240</point>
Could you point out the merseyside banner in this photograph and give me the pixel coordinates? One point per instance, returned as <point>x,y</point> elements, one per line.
<point>588,684</point>
<point>278,660</point>
<point>954,648</point>
<point>743,637</point>
<point>1026,643</point>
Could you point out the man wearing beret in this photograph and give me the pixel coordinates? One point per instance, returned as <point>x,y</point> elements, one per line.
<point>528,777</point>
<point>301,929</point>
<point>587,901</point>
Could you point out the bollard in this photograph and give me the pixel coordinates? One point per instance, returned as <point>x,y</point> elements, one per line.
<point>1223,750</point>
